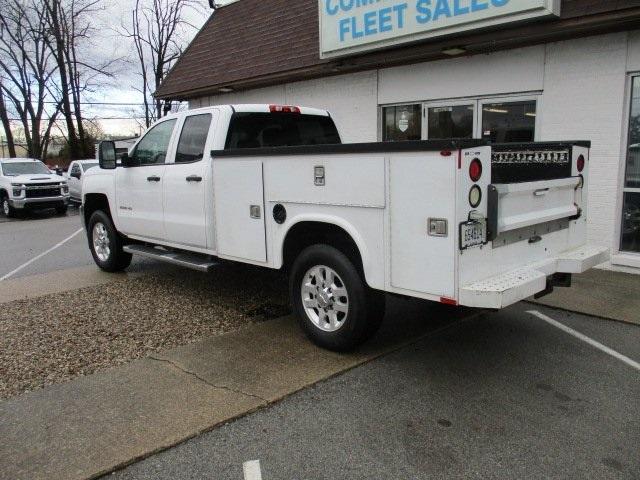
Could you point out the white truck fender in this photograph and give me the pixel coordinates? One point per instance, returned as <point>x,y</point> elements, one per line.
<point>337,221</point>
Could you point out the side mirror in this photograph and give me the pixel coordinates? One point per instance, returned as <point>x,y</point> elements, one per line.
<point>107,155</point>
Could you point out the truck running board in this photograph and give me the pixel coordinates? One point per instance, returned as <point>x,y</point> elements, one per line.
<point>194,261</point>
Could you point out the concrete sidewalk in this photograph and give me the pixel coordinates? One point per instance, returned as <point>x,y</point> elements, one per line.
<point>95,424</point>
<point>600,293</point>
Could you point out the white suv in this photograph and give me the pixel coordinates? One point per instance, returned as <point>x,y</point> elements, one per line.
<point>26,183</point>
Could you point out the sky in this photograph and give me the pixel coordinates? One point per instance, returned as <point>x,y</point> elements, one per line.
<point>111,44</point>
<point>108,43</point>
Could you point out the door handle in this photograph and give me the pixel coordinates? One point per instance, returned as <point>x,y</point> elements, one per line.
<point>194,178</point>
<point>153,179</point>
<point>541,192</point>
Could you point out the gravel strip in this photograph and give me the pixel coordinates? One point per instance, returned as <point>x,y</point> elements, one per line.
<point>55,338</point>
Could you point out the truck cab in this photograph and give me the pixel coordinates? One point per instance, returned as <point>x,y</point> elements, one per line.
<point>461,222</point>
<point>164,192</point>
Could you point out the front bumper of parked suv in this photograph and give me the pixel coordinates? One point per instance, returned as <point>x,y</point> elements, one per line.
<point>39,196</point>
<point>46,202</point>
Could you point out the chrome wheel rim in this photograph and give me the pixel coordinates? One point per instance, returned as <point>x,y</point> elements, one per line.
<point>101,243</point>
<point>325,298</point>
<point>5,206</point>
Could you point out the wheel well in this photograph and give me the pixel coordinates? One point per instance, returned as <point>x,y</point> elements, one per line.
<point>305,234</point>
<point>3,192</point>
<point>94,202</point>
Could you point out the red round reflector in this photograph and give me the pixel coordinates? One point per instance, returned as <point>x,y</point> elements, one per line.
<point>581,163</point>
<point>475,170</point>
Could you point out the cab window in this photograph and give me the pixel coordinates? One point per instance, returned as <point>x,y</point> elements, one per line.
<point>255,130</point>
<point>152,149</point>
<point>193,138</point>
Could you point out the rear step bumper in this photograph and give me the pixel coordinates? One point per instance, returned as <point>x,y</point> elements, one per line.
<point>511,287</point>
<point>194,261</point>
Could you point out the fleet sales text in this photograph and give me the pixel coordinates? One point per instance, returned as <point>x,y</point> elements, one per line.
<point>390,18</point>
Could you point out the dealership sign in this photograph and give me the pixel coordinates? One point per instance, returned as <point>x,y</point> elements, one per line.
<point>352,26</point>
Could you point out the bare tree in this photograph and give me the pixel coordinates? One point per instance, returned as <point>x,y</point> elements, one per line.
<point>158,30</point>
<point>72,28</point>
<point>6,124</point>
<point>27,71</point>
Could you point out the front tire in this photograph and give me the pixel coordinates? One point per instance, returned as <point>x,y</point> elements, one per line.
<point>334,306</point>
<point>7,209</point>
<point>106,244</point>
<point>62,210</point>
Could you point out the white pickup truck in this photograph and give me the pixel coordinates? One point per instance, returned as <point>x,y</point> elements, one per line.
<point>26,183</point>
<point>459,222</point>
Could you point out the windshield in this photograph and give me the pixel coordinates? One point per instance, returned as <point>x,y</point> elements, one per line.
<point>87,166</point>
<point>24,168</point>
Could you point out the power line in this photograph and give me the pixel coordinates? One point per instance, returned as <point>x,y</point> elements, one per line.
<point>124,104</point>
<point>87,119</point>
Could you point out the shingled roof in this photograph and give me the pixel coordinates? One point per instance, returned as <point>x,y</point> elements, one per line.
<point>247,39</point>
<point>251,43</point>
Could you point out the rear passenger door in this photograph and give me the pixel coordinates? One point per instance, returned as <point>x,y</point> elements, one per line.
<point>187,181</point>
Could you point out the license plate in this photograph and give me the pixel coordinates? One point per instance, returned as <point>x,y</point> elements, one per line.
<point>472,234</point>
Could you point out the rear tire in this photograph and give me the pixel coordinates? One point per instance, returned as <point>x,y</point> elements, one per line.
<point>106,244</point>
<point>7,210</point>
<point>334,306</point>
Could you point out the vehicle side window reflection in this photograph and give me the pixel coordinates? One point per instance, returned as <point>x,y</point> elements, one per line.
<point>193,138</point>
<point>152,149</point>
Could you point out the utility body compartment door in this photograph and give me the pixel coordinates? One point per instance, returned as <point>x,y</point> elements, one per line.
<point>422,187</point>
<point>239,209</point>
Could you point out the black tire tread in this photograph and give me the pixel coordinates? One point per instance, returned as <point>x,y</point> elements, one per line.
<point>119,259</point>
<point>366,306</point>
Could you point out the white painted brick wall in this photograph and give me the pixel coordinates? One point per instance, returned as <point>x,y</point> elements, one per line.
<point>351,99</point>
<point>505,72</point>
<point>584,98</point>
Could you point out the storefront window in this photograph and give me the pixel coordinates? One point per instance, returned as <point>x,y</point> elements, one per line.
<point>401,123</point>
<point>450,122</point>
<point>631,204</point>
<point>509,122</point>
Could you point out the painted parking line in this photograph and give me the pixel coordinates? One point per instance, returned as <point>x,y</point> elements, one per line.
<point>252,470</point>
<point>584,338</point>
<point>38,257</point>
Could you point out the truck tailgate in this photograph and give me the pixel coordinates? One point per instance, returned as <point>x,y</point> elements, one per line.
<point>518,205</point>
<point>535,212</point>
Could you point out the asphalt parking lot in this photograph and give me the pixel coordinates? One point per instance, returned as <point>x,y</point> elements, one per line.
<point>42,242</point>
<point>501,395</point>
<point>505,395</point>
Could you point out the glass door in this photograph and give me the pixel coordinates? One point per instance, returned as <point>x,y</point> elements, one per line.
<point>630,229</point>
<point>446,120</point>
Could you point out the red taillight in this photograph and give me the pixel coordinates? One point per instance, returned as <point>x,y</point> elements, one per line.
<point>475,170</point>
<point>581,163</point>
<point>284,109</point>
